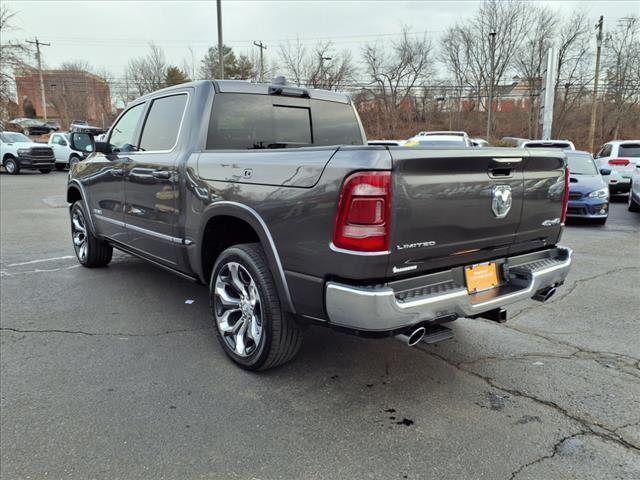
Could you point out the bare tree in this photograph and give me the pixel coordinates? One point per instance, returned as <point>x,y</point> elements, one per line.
<point>317,67</point>
<point>530,60</point>
<point>13,55</point>
<point>148,73</point>
<point>622,63</point>
<point>574,72</point>
<point>454,55</point>
<point>393,74</point>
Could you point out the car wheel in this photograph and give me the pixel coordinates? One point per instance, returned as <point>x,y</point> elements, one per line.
<point>73,159</point>
<point>60,166</point>
<point>632,206</point>
<point>11,166</point>
<point>45,170</point>
<point>251,326</point>
<point>90,250</point>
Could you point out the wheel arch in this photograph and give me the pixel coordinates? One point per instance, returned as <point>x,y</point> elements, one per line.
<point>76,192</point>
<point>7,156</point>
<point>242,225</point>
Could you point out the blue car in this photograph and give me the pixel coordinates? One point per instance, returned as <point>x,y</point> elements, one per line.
<point>588,192</point>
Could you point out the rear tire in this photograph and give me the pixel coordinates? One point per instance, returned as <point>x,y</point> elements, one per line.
<point>60,166</point>
<point>90,250</point>
<point>73,159</point>
<point>11,165</point>
<point>244,303</point>
<point>632,205</point>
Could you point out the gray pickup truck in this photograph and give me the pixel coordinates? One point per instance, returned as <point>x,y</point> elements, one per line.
<point>270,195</point>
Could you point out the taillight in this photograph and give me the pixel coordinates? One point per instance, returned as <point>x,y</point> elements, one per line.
<point>565,199</point>
<point>619,161</point>
<point>364,209</point>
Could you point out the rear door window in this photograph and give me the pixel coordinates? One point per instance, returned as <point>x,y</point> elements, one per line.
<point>334,124</point>
<point>161,128</point>
<point>629,150</point>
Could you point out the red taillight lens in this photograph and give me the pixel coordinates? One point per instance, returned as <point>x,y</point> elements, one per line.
<point>565,199</point>
<point>619,161</point>
<point>363,218</point>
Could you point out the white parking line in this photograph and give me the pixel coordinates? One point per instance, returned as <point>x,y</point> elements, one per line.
<point>52,259</point>
<point>4,273</point>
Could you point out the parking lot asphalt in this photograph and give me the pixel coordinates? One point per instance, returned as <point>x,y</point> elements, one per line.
<point>109,374</point>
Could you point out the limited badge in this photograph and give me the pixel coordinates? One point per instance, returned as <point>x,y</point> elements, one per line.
<point>501,200</point>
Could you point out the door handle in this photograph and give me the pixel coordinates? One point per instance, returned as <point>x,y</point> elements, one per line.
<point>161,174</point>
<point>117,172</point>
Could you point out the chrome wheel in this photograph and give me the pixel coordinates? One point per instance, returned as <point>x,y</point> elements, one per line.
<point>238,309</point>
<point>10,166</point>
<point>79,234</point>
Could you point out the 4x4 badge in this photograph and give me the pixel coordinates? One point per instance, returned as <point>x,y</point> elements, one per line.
<point>501,200</point>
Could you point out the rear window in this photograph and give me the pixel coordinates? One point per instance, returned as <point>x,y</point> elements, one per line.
<point>548,145</point>
<point>581,165</point>
<point>245,121</point>
<point>630,150</point>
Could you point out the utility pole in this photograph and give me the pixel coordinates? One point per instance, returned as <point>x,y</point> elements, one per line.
<point>220,44</point>
<point>492,47</point>
<point>594,99</point>
<point>262,47</point>
<point>38,43</point>
<point>322,72</point>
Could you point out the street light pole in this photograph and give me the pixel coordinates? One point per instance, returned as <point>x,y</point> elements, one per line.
<point>262,47</point>
<point>38,43</point>
<point>492,43</point>
<point>220,44</point>
<point>594,98</point>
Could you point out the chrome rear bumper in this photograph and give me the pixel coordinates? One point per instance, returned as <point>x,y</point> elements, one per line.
<point>382,308</point>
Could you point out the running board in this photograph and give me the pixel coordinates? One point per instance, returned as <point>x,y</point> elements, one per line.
<point>437,333</point>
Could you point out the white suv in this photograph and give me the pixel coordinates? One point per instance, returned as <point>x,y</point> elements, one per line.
<point>621,156</point>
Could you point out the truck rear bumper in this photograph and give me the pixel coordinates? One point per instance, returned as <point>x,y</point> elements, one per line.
<point>443,294</point>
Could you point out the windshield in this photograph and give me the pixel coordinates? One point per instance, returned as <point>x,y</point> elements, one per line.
<point>581,165</point>
<point>629,150</point>
<point>14,137</point>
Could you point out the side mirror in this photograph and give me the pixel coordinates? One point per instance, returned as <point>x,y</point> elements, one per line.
<point>64,143</point>
<point>103,147</point>
<point>605,171</point>
<point>82,142</point>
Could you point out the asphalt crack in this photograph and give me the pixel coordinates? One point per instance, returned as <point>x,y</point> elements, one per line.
<point>104,334</point>
<point>593,428</point>
<point>556,447</point>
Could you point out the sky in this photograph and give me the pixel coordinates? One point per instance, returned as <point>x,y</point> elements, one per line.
<point>109,33</point>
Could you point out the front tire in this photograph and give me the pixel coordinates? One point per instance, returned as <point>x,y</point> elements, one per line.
<point>45,170</point>
<point>90,250</point>
<point>252,328</point>
<point>60,166</point>
<point>11,166</point>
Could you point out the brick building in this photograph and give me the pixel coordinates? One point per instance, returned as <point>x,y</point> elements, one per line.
<point>70,94</point>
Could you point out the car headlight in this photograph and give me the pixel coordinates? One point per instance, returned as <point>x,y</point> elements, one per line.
<point>602,193</point>
<point>23,151</point>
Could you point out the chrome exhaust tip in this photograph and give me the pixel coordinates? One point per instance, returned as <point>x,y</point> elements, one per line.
<point>412,337</point>
<point>545,294</point>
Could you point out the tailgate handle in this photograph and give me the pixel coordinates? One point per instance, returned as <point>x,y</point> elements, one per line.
<point>502,167</point>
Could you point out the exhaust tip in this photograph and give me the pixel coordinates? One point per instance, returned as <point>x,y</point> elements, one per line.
<point>545,294</point>
<point>550,293</point>
<point>412,337</point>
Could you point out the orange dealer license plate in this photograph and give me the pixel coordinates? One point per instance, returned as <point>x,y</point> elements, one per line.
<point>481,277</point>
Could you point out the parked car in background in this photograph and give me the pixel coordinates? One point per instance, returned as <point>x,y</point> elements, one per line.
<point>622,156</point>
<point>31,126</point>
<point>512,141</point>
<point>588,192</point>
<point>372,241</point>
<point>388,143</point>
<point>54,126</point>
<point>563,144</point>
<point>479,142</point>
<point>438,140</point>
<point>19,152</point>
<point>446,134</point>
<point>65,155</point>
<point>83,126</point>
<point>634,192</point>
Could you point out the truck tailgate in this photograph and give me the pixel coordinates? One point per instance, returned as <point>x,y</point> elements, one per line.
<point>451,207</point>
